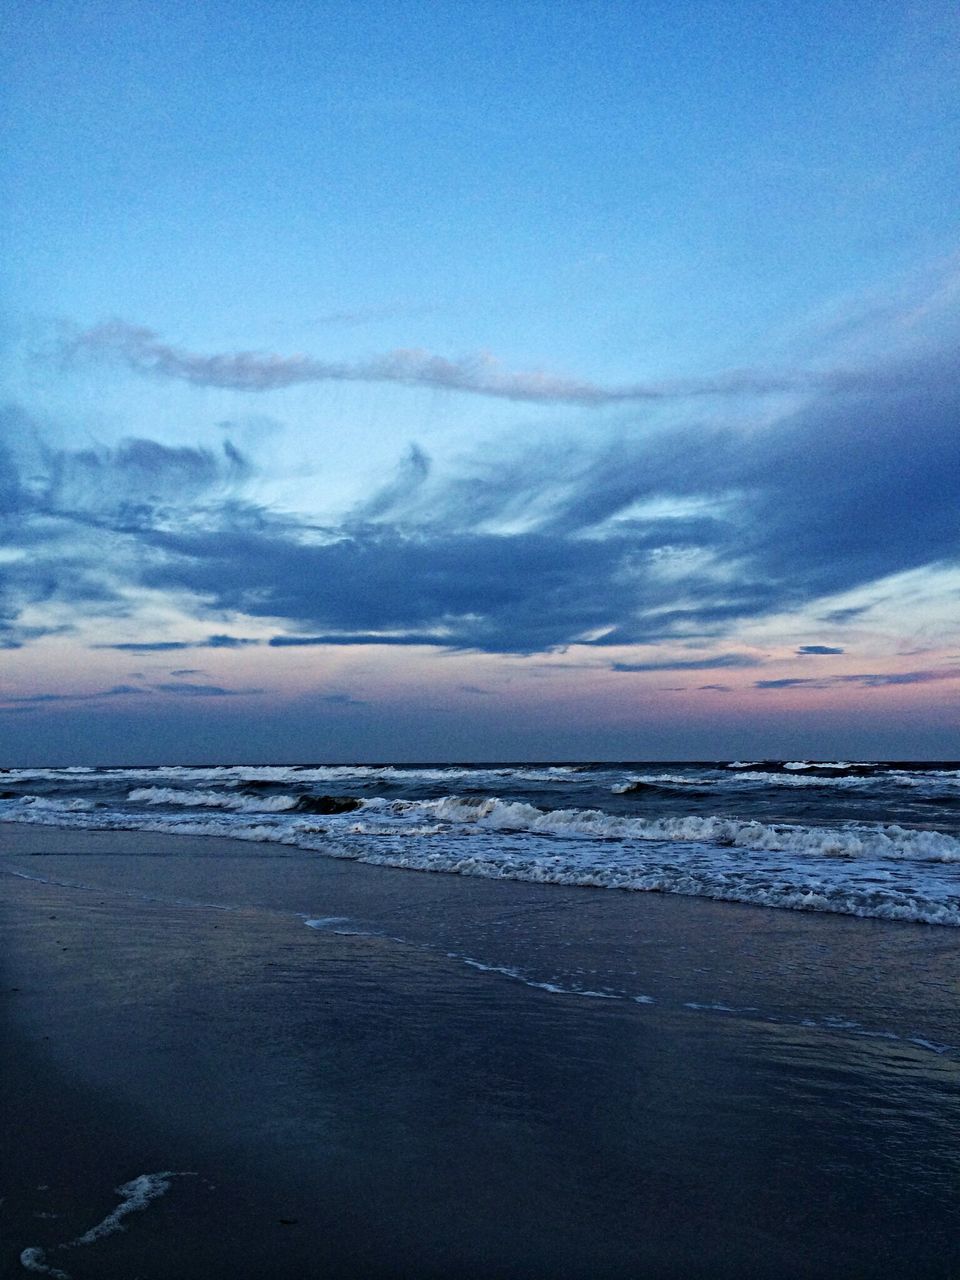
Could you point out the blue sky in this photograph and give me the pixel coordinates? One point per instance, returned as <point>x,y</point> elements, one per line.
<point>407,380</point>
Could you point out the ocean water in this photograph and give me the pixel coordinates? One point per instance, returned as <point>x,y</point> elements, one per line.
<point>557,1058</point>
<point>855,838</point>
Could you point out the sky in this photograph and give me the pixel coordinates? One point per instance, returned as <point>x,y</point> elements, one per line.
<point>506,380</point>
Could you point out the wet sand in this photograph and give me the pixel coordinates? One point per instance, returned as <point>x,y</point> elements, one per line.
<point>762,1093</point>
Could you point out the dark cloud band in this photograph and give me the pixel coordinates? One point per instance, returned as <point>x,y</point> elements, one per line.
<point>677,534</point>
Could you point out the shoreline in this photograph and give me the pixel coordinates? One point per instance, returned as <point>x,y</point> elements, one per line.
<point>368,1103</point>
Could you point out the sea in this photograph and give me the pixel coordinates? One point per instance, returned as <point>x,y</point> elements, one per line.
<point>571,1019</point>
<point>859,838</point>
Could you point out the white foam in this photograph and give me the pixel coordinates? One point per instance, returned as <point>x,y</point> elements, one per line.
<point>34,1259</point>
<point>828,764</point>
<point>212,800</point>
<point>135,1195</point>
<point>854,782</point>
<point>830,1023</point>
<point>50,804</point>
<point>944,782</point>
<point>852,840</point>
<point>236,775</point>
<point>934,1046</point>
<point>555,988</point>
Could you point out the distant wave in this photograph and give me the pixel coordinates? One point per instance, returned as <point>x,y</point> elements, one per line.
<point>665,784</point>
<point>238,775</point>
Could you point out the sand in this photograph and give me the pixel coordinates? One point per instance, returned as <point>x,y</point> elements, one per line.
<point>372,1103</point>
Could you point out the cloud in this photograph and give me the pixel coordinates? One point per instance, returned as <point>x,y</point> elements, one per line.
<point>130,482</point>
<point>387,586</point>
<point>412,474</point>
<point>168,646</point>
<point>69,519</point>
<point>693,664</point>
<point>438,637</point>
<point>767,520</point>
<point>226,642</point>
<point>848,614</point>
<point>47,699</point>
<point>677,533</point>
<point>183,687</point>
<point>143,351</point>
<point>124,690</point>
<point>817,648</point>
<point>901,677</point>
<point>869,680</point>
<point>791,682</point>
<point>148,646</point>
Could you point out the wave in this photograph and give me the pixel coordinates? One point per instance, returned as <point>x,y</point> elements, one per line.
<point>829,768</point>
<point>236,775</point>
<point>816,779</point>
<point>850,841</point>
<point>211,800</point>
<point>238,803</point>
<point>888,872</point>
<point>663,784</point>
<point>51,805</point>
<point>846,768</point>
<point>463,814</point>
<point>939,782</point>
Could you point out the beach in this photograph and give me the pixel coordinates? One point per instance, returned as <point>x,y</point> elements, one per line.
<point>357,1070</point>
<point>480,641</point>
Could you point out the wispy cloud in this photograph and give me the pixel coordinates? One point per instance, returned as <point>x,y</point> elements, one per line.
<point>790,682</point>
<point>185,689</point>
<point>148,646</point>
<point>144,351</point>
<point>841,616</point>
<point>70,520</point>
<point>869,680</point>
<point>169,646</point>
<point>437,637</point>
<point>692,664</point>
<point>26,701</point>
<point>817,649</point>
